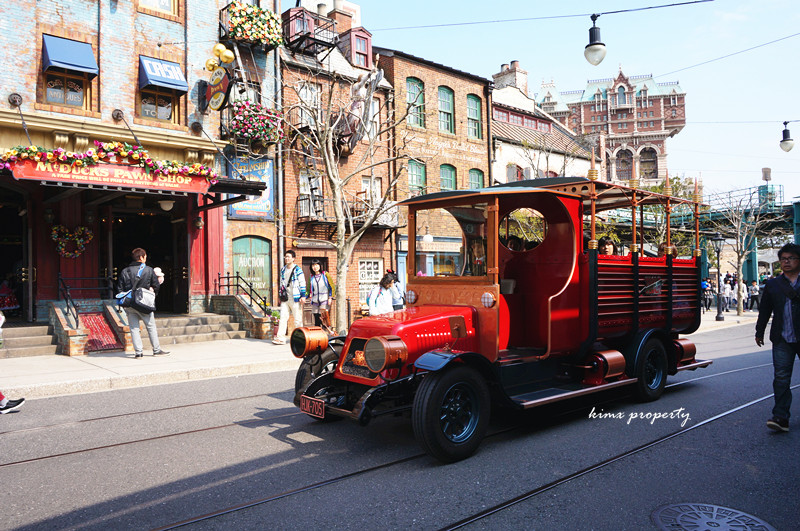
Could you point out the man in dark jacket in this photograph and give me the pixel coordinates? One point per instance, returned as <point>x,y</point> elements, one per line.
<point>781,300</point>
<point>147,280</point>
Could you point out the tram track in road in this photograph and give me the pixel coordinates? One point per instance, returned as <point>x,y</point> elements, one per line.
<point>350,475</point>
<point>595,467</point>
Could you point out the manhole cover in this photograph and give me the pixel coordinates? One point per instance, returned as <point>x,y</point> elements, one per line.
<point>705,517</point>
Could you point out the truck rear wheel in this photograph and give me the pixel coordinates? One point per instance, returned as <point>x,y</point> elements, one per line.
<point>451,413</point>
<point>651,370</point>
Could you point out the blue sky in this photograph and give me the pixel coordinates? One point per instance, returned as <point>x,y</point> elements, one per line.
<point>762,85</point>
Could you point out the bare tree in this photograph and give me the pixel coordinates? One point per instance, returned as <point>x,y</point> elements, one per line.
<point>742,216</point>
<point>341,135</point>
<point>538,153</point>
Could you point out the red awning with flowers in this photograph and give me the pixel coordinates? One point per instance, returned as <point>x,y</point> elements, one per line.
<point>112,164</point>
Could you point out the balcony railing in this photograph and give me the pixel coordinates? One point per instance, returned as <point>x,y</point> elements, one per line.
<point>308,33</point>
<point>318,209</point>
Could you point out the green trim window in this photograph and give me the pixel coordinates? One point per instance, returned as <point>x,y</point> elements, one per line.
<point>447,177</point>
<point>447,121</point>
<point>474,126</point>
<point>475,179</point>
<point>416,178</point>
<point>415,97</point>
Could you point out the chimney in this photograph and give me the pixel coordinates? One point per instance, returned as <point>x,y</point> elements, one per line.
<point>343,19</point>
<point>512,76</point>
<point>322,9</point>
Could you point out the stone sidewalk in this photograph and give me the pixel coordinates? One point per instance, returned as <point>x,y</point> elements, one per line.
<point>55,375</point>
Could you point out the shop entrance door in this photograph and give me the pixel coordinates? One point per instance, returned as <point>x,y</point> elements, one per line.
<point>166,244</point>
<point>17,278</point>
<point>252,259</point>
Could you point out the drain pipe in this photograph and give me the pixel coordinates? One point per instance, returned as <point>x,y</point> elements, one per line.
<point>279,222</point>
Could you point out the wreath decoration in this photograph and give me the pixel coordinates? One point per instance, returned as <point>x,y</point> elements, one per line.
<point>62,236</point>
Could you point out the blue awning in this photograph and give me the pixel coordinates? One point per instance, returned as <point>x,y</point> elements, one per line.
<point>160,73</point>
<point>68,54</point>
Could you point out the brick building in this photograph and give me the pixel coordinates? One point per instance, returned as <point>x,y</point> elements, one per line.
<point>124,74</point>
<point>445,132</point>
<point>628,118</point>
<point>324,59</point>
<point>527,142</point>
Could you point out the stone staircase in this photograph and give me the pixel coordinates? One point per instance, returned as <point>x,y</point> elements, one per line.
<point>174,329</point>
<point>34,340</point>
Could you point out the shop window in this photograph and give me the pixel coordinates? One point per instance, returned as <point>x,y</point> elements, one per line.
<point>415,98</point>
<point>446,110</point>
<point>370,272</point>
<point>65,88</point>
<point>158,105</point>
<point>474,126</point>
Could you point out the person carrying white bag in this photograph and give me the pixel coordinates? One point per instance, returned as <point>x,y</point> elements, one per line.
<point>139,275</point>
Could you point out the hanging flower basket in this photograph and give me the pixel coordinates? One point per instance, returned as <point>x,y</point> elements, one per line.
<point>253,122</point>
<point>250,23</point>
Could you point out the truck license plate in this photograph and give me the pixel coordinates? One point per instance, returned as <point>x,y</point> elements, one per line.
<point>313,406</point>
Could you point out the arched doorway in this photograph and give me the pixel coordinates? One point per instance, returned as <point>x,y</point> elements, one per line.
<point>648,164</point>
<point>252,259</point>
<point>624,165</point>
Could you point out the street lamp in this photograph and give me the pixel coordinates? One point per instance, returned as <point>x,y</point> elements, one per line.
<point>787,143</point>
<point>717,241</point>
<point>595,51</point>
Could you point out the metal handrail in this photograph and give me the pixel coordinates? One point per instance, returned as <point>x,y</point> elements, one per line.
<point>63,290</point>
<point>240,284</point>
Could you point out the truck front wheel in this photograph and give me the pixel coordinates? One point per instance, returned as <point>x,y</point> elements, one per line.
<point>451,413</point>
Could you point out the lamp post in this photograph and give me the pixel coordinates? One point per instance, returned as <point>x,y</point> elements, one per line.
<point>717,242</point>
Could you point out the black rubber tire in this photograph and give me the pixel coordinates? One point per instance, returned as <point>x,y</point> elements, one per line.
<point>651,370</point>
<point>451,412</point>
<point>313,366</point>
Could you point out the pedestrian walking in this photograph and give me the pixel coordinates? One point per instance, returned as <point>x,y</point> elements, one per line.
<point>140,275</point>
<point>753,293</point>
<point>7,406</point>
<point>380,298</point>
<point>320,291</point>
<point>781,300</point>
<point>291,293</point>
<point>397,292</point>
<point>727,295</point>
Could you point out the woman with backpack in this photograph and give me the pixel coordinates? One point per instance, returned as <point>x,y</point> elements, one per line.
<point>320,290</point>
<point>380,298</point>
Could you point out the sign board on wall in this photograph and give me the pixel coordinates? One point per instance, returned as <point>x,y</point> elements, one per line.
<point>109,175</point>
<point>254,170</point>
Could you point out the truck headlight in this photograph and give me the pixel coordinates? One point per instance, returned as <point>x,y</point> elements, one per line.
<point>308,340</point>
<point>385,352</point>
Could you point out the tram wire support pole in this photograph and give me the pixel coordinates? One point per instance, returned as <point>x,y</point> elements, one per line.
<point>717,241</point>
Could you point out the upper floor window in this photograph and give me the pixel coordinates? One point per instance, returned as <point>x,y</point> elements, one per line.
<point>446,110</point>
<point>169,7</point>
<point>475,179</point>
<point>415,98</point>
<point>621,96</point>
<point>361,54</point>
<point>161,85</point>
<point>447,177</point>
<point>500,115</point>
<point>474,126</point>
<point>69,67</point>
<point>673,100</point>
<point>309,103</point>
<point>514,118</point>
<point>374,118</point>
<point>417,181</point>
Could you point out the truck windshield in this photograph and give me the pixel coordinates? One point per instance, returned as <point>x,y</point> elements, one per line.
<point>451,241</point>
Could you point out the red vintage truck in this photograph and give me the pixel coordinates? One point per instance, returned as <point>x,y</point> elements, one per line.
<point>522,310</point>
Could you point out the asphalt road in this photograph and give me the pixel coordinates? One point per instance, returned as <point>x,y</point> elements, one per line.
<point>152,457</point>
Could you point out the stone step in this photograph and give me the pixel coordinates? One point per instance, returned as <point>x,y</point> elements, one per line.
<point>213,336</point>
<point>28,351</point>
<point>192,320</point>
<point>31,341</point>
<point>196,329</point>
<point>26,331</point>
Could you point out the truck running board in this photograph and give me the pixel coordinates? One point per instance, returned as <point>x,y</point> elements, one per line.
<point>696,365</point>
<point>547,396</point>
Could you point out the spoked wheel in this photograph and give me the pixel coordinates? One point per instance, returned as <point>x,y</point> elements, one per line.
<point>451,413</point>
<point>651,371</point>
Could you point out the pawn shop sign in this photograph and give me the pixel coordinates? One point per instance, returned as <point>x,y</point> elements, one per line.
<point>218,88</point>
